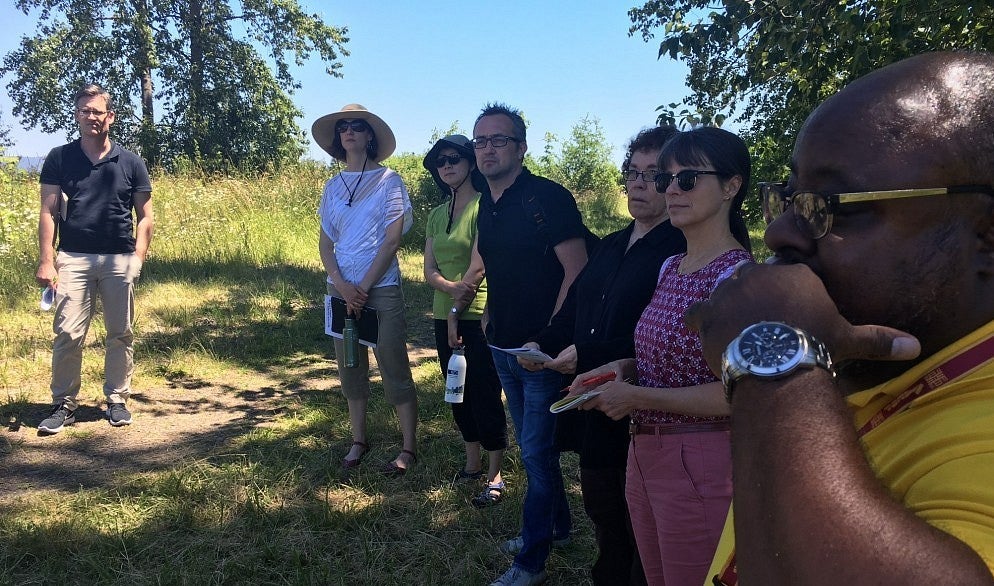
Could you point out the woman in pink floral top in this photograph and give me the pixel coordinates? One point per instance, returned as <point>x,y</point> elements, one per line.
<point>679,480</point>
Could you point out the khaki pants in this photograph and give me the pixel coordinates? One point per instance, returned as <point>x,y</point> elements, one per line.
<point>390,351</point>
<point>82,277</point>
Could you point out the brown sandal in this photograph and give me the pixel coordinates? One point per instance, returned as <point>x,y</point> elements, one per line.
<point>392,469</point>
<point>348,464</point>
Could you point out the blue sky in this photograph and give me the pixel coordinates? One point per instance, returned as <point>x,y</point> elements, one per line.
<point>423,65</point>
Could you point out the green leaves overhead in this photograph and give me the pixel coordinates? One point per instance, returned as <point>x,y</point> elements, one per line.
<point>206,82</point>
<point>767,63</point>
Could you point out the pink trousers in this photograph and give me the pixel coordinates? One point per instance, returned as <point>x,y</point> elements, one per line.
<point>679,488</point>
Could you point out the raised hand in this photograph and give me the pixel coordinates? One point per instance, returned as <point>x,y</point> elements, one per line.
<point>793,294</point>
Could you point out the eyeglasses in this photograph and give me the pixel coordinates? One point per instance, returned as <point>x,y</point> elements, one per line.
<point>87,112</point>
<point>813,212</point>
<point>647,176</point>
<point>444,160</point>
<point>686,180</point>
<point>498,140</point>
<point>356,125</point>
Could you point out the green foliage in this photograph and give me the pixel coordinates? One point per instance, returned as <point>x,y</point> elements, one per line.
<point>424,193</point>
<point>582,163</point>
<point>438,133</point>
<point>18,234</point>
<point>217,101</point>
<point>5,140</point>
<point>769,63</point>
<point>8,165</point>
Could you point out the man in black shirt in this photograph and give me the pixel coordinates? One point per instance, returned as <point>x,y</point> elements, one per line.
<point>89,188</point>
<point>531,238</point>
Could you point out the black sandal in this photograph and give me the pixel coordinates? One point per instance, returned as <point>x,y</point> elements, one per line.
<point>463,477</point>
<point>491,495</point>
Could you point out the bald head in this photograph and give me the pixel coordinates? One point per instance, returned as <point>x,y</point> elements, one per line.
<point>938,106</point>
<point>909,263</point>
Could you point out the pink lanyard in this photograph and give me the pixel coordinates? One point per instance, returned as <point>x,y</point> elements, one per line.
<point>953,368</point>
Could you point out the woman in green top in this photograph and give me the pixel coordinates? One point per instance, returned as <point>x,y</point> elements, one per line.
<point>454,269</point>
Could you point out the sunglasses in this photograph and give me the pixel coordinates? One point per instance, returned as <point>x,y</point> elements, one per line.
<point>356,126</point>
<point>813,212</point>
<point>444,160</point>
<point>686,180</point>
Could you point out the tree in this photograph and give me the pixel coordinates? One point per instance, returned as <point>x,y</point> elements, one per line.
<point>769,63</point>
<point>186,86</point>
<point>583,164</point>
<point>4,136</point>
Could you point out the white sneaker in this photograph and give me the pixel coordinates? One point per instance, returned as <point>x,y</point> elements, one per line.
<point>517,544</point>
<point>518,577</point>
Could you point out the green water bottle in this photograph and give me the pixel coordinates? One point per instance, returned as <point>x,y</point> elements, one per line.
<point>350,338</point>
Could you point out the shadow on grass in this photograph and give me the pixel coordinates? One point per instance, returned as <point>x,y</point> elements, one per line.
<point>258,495</point>
<point>271,505</point>
<point>286,338</point>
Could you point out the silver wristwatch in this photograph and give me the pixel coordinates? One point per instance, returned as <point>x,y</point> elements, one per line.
<point>771,350</point>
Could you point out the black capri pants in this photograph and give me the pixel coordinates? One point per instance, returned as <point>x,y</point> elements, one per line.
<point>480,417</point>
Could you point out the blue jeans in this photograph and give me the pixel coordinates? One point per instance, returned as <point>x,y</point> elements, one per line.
<point>546,510</point>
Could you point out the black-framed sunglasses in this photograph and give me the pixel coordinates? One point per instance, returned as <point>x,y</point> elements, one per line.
<point>647,176</point>
<point>498,140</point>
<point>686,180</point>
<point>356,126</point>
<point>444,160</point>
<point>813,212</point>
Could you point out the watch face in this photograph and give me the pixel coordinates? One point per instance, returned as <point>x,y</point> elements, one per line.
<point>768,349</point>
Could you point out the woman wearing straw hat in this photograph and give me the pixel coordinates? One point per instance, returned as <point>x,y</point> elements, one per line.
<point>364,212</point>
<point>455,270</point>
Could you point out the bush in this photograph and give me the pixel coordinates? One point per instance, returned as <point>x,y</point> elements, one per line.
<point>583,162</point>
<point>425,195</point>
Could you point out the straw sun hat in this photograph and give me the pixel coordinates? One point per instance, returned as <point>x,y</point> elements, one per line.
<point>323,130</point>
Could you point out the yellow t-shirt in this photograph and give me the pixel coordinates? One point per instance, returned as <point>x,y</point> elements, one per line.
<point>936,456</point>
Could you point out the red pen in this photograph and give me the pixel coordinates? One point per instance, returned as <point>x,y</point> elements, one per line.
<point>596,380</point>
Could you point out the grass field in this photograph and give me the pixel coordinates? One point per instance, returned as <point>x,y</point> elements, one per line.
<point>229,301</point>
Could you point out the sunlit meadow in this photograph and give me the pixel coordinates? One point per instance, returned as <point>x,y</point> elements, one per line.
<point>230,299</point>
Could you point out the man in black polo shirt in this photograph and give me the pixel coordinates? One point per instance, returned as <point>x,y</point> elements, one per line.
<point>531,238</point>
<point>89,188</point>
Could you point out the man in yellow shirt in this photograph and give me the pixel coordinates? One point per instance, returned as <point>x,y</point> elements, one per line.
<point>878,311</point>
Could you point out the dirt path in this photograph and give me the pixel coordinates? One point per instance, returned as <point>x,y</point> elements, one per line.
<point>183,419</point>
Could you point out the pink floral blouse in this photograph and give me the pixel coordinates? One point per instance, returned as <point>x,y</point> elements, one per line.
<point>667,354</point>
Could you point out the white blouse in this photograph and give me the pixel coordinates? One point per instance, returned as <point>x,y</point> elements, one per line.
<point>359,230</point>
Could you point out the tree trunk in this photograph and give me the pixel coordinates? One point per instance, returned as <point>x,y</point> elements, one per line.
<point>148,138</point>
<point>195,26</point>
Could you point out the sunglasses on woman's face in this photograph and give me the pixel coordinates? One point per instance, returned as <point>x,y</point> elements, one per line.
<point>355,125</point>
<point>447,160</point>
<point>686,180</point>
